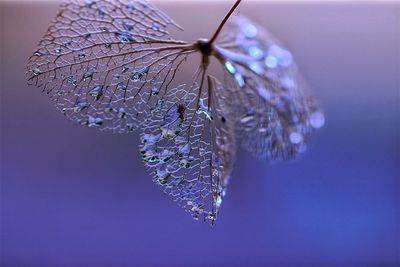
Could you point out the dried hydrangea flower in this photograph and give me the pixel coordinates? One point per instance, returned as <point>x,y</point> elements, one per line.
<point>114,66</point>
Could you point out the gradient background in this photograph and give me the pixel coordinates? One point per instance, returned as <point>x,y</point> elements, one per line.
<point>72,196</point>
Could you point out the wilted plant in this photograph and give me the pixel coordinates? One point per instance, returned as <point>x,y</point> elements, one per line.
<point>113,65</point>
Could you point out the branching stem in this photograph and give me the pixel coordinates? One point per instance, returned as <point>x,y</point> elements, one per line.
<point>221,25</point>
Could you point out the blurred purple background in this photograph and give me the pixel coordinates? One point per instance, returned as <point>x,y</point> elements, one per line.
<point>72,196</point>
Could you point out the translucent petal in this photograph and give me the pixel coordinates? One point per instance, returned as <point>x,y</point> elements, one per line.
<point>275,115</point>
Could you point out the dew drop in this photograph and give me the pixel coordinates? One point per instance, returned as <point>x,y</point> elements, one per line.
<point>264,93</point>
<point>169,133</point>
<point>257,68</point>
<point>218,201</point>
<point>317,119</point>
<point>155,91</point>
<point>80,106</point>
<point>130,7</point>
<point>185,163</point>
<point>36,71</point>
<point>184,150</point>
<point>124,69</point>
<point>57,50</point>
<point>249,30</point>
<point>104,29</point>
<point>71,80</point>
<point>271,62</point>
<point>149,138</point>
<point>162,176</point>
<point>240,80</point>
<point>247,118</point>
<point>137,76</point>
<point>296,138</point>
<point>81,55</point>
<point>149,156</point>
<point>286,58</point>
<point>121,86</point>
<point>288,82</point>
<point>121,113</point>
<point>166,155</point>
<point>88,75</point>
<point>125,37</point>
<point>203,109</point>
<point>94,121</point>
<point>156,26</point>
<point>229,66</point>
<point>255,52</point>
<point>97,92</point>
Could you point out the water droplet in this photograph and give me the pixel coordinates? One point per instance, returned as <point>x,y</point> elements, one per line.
<point>94,122</point>
<point>36,71</point>
<point>149,138</point>
<point>255,52</point>
<point>125,37</point>
<point>278,56</point>
<point>156,26</point>
<point>121,113</point>
<point>130,7</point>
<point>286,58</point>
<point>185,163</point>
<point>37,53</point>
<point>169,133</point>
<point>317,119</point>
<point>264,93</point>
<point>218,201</point>
<point>271,62</point>
<point>166,155</point>
<point>104,29</point>
<point>257,68</point>
<point>184,150</point>
<point>130,127</point>
<point>97,92</point>
<point>124,69</point>
<point>155,90</point>
<point>162,176</point>
<point>72,80</point>
<point>88,75</point>
<point>81,55</point>
<point>249,30</point>
<point>137,76</point>
<point>296,138</point>
<point>57,50</point>
<point>121,86</point>
<point>89,3</point>
<point>80,106</point>
<point>68,43</point>
<point>149,156</point>
<point>240,80</point>
<point>247,118</point>
<point>229,66</point>
<point>288,82</point>
<point>102,13</point>
<point>127,26</point>
<point>203,109</point>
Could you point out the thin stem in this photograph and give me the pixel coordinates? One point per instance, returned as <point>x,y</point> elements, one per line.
<point>224,21</point>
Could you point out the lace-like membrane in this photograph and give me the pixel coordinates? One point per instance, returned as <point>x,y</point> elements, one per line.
<point>112,65</point>
<point>275,116</point>
<point>104,62</point>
